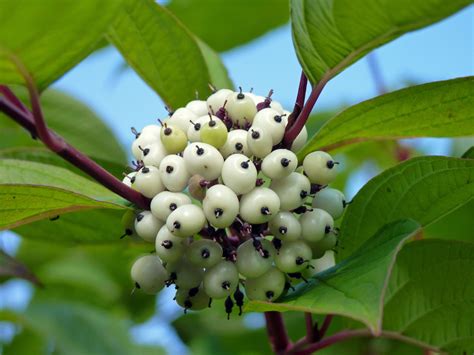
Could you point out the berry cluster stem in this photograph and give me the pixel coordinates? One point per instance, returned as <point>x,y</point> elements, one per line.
<point>33,122</point>
<point>277,332</point>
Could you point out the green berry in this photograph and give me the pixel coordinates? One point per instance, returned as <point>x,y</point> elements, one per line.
<point>267,287</point>
<point>148,274</point>
<point>173,138</point>
<point>214,132</point>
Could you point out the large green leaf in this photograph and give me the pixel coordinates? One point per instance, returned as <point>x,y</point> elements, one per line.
<point>424,189</point>
<point>430,295</point>
<point>439,109</point>
<point>329,35</point>
<point>49,37</point>
<point>96,226</point>
<point>71,119</point>
<point>241,22</point>
<point>30,191</point>
<point>354,288</point>
<point>161,50</point>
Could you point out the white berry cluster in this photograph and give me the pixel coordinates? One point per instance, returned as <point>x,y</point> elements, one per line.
<point>232,212</point>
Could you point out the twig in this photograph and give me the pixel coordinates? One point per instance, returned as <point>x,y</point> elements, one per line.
<point>309,327</point>
<point>72,155</point>
<point>277,332</point>
<point>341,336</point>
<point>325,326</point>
<point>293,130</point>
<point>299,102</point>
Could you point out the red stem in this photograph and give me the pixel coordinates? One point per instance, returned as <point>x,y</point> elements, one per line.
<point>341,336</point>
<point>299,102</point>
<point>325,325</point>
<point>277,332</point>
<point>5,90</point>
<point>293,130</point>
<point>309,327</point>
<point>69,153</point>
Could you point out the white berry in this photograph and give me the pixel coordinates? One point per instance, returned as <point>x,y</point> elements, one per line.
<point>259,205</point>
<point>279,164</point>
<point>320,167</point>
<point>173,173</point>
<point>292,190</point>
<point>203,159</point>
<point>285,226</point>
<point>149,274</point>
<point>186,220</point>
<point>166,202</point>
<point>239,174</point>
<point>147,226</point>
<point>330,200</point>
<point>220,206</point>
<point>315,224</point>
<point>148,182</point>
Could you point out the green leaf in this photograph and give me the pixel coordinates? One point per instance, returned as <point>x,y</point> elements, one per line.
<point>49,37</point>
<point>78,329</point>
<point>354,288</point>
<point>457,225</point>
<point>469,154</point>
<point>110,289</point>
<point>424,189</point>
<point>330,35</point>
<point>217,71</point>
<point>95,226</point>
<point>161,50</point>
<point>72,120</point>
<point>242,21</point>
<point>30,191</point>
<point>10,267</point>
<point>431,293</point>
<point>439,109</point>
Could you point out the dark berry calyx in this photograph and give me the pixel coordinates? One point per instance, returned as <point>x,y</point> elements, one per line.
<point>199,150</point>
<point>330,163</point>
<point>173,206</point>
<point>176,225</point>
<point>240,95</point>
<point>140,217</point>
<point>167,244</point>
<point>285,162</point>
<point>239,146</point>
<point>327,229</point>
<point>169,169</point>
<point>245,164</point>
<point>277,119</point>
<point>193,292</point>
<point>167,131</point>
<point>225,285</point>
<point>269,294</point>
<point>255,134</point>
<point>145,170</point>
<point>299,260</point>
<point>303,194</point>
<point>283,230</point>
<point>265,210</point>
<point>218,212</point>
<point>205,253</point>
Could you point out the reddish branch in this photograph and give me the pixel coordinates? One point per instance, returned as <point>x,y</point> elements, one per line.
<point>34,123</point>
<point>299,102</point>
<point>277,332</point>
<point>293,130</point>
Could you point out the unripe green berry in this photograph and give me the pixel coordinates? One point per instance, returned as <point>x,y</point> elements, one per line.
<point>173,138</point>
<point>267,287</point>
<point>148,274</point>
<point>221,280</point>
<point>293,256</point>
<point>214,132</point>
<point>253,262</point>
<point>320,167</point>
<point>292,190</point>
<point>315,225</point>
<point>204,253</point>
<point>330,200</point>
<point>198,301</point>
<point>285,226</point>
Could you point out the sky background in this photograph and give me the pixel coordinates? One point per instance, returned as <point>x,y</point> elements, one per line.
<point>439,52</point>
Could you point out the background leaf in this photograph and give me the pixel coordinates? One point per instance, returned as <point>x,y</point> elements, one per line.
<point>430,297</point>
<point>439,109</point>
<point>241,22</point>
<point>354,288</point>
<point>31,191</point>
<point>423,189</point>
<point>74,121</point>
<point>217,71</point>
<point>162,51</point>
<point>43,36</point>
<point>330,35</point>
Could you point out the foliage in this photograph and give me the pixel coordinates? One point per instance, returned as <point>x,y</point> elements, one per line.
<point>406,248</point>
